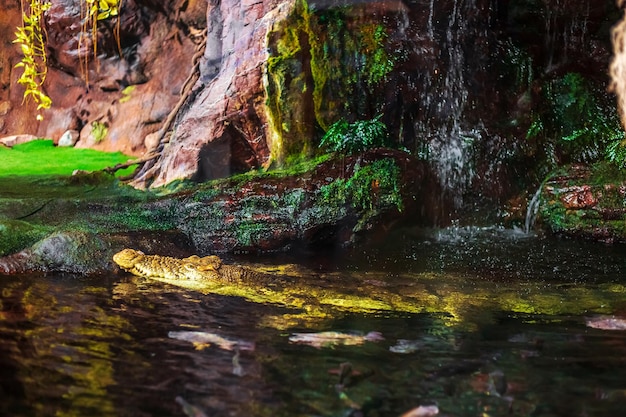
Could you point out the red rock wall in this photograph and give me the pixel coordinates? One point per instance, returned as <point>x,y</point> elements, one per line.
<point>130,94</point>
<point>225,127</point>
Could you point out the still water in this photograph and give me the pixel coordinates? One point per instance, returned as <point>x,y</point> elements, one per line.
<point>503,325</point>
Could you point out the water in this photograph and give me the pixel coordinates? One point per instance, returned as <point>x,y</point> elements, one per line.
<point>532,210</point>
<point>449,141</point>
<point>498,328</point>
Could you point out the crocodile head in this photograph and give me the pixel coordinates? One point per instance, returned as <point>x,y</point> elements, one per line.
<point>127,258</point>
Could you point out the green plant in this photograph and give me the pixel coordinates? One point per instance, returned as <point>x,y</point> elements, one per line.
<point>98,131</point>
<point>355,137</point>
<point>31,37</point>
<point>616,151</point>
<point>93,11</point>
<point>376,183</point>
<point>578,121</point>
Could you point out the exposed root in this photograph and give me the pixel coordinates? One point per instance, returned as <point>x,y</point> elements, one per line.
<point>164,133</point>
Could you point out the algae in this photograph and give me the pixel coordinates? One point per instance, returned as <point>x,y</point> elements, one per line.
<point>16,235</point>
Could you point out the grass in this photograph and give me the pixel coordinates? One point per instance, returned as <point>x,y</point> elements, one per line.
<point>42,158</point>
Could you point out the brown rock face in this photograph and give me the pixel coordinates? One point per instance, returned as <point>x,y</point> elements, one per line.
<point>118,98</point>
<point>225,127</point>
<point>456,82</point>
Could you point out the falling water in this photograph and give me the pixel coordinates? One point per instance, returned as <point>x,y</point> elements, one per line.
<point>449,143</point>
<point>532,210</point>
<point>431,13</point>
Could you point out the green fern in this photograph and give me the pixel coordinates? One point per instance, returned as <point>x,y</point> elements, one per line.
<point>355,137</point>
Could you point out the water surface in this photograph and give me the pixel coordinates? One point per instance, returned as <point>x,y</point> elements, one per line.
<point>499,328</point>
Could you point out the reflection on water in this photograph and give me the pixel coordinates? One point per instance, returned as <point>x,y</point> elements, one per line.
<point>498,327</point>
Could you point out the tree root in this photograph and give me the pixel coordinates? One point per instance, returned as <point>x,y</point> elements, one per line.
<point>163,137</point>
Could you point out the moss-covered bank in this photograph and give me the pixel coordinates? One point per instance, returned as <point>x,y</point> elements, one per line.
<point>340,202</point>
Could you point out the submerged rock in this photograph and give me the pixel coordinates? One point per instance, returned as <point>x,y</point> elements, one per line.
<point>331,339</point>
<point>201,340</point>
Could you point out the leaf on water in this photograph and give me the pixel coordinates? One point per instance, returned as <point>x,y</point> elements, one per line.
<point>422,411</point>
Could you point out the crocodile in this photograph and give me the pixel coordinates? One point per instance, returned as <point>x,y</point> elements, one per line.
<point>208,269</point>
<point>314,295</point>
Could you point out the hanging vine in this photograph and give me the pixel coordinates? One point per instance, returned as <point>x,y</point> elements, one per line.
<point>93,11</point>
<point>32,37</point>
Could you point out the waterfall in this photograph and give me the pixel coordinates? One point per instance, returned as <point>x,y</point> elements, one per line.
<point>532,210</point>
<point>448,143</point>
<point>431,14</point>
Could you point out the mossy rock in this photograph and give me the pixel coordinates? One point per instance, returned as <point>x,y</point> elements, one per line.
<point>16,235</point>
<point>586,202</point>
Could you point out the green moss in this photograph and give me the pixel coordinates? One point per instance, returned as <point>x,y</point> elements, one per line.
<point>99,131</point>
<point>606,173</point>
<point>324,65</point>
<point>298,165</point>
<point>16,235</point>
<point>376,62</point>
<point>41,157</point>
<point>250,232</point>
<point>139,217</point>
<point>126,93</point>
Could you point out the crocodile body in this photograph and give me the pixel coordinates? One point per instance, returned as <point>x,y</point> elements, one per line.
<point>194,268</point>
<point>316,296</point>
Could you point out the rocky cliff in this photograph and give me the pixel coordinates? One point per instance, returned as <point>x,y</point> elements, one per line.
<point>125,92</point>
<point>228,85</point>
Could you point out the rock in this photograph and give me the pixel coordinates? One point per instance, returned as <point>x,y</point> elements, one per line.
<point>606,323</point>
<point>5,107</point>
<point>151,40</point>
<point>13,140</point>
<point>265,215</point>
<point>578,197</point>
<point>422,411</point>
<point>259,215</point>
<point>76,252</point>
<point>84,253</point>
<point>226,128</point>
<point>579,204</point>
<point>151,141</point>
<point>69,138</point>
